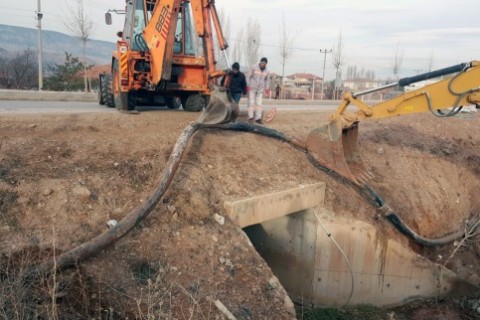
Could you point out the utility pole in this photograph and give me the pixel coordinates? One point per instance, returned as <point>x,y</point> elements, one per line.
<point>324,60</point>
<point>39,18</point>
<point>313,88</point>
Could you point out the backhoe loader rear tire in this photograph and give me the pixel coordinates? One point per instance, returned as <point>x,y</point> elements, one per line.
<point>194,103</point>
<point>126,101</point>
<point>105,94</point>
<point>100,98</point>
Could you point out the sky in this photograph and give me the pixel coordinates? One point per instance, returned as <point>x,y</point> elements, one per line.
<point>436,33</point>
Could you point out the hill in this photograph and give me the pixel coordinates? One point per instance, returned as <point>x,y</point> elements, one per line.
<point>54,45</point>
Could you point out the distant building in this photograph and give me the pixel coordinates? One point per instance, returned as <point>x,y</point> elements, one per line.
<point>305,86</point>
<point>357,85</point>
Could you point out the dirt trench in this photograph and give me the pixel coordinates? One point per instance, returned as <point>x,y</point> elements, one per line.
<point>63,177</point>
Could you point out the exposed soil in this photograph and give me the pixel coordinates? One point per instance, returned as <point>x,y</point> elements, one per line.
<point>63,177</point>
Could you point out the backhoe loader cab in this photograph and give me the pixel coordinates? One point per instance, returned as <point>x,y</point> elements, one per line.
<point>165,56</point>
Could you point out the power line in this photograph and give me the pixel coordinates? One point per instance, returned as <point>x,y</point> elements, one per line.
<point>18,9</point>
<point>19,15</point>
<point>275,46</point>
<point>93,4</point>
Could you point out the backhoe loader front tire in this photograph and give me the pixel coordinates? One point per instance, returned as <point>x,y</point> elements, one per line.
<point>172,102</point>
<point>194,103</point>
<point>105,93</point>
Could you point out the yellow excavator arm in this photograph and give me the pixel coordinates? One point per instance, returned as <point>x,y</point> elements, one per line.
<point>336,145</point>
<point>447,94</point>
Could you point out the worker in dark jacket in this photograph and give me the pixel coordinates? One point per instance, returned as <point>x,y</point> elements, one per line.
<point>235,81</point>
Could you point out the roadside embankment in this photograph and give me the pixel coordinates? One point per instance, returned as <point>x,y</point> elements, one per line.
<point>35,95</point>
<point>46,95</point>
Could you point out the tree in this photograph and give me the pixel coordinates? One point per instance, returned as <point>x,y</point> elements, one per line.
<point>237,54</point>
<point>5,81</point>
<point>66,77</point>
<point>23,71</point>
<point>82,28</point>
<point>338,61</point>
<point>397,62</point>
<point>285,48</point>
<point>225,24</point>
<point>364,74</point>
<point>430,62</point>
<point>253,38</point>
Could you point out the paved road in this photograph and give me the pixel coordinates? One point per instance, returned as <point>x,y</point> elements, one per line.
<point>29,107</point>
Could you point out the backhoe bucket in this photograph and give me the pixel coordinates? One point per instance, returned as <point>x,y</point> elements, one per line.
<point>220,109</point>
<point>337,149</point>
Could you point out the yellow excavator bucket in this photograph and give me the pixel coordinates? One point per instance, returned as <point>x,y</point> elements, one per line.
<point>220,109</point>
<point>337,149</point>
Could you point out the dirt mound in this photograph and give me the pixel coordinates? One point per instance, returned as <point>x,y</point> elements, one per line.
<point>63,177</point>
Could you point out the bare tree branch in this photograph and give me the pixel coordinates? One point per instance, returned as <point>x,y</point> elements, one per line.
<point>397,63</point>
<point>23,69</point>
<point>224,20</point>
<point>430,62</point>
<point>237,54</point>
<point>82,27</point>
<point>338,61</point>
<point>285,49</point>
<point>253,38</point>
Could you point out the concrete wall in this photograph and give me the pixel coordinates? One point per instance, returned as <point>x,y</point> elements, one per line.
<point>312,268</point>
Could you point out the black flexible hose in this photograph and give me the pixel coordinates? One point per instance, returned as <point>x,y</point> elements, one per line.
<point>91,247</point>
<point>406,230</point>
<point>134,217</point>
<point>387,212</point>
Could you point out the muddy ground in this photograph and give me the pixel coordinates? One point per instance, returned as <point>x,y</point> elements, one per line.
<point>63,177</point>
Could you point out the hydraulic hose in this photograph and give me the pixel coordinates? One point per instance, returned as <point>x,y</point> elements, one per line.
<point>401,226</point>
<point>93,246</point>
<point>387,212</point>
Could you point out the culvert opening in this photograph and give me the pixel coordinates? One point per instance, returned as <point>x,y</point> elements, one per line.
<point>371,267</point>
<point>343,261</point>
<point>287,244</point>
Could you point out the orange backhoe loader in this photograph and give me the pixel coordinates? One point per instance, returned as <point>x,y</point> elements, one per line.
<point>165,56</point>
<point>335,145</point>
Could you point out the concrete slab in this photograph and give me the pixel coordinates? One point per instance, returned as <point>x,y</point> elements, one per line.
<point>253,210</point>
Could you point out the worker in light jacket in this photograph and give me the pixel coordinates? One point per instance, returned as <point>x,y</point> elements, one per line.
<point>258,83</point>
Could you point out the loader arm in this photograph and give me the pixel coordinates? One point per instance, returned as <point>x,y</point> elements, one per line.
<point>205,14</point>
<point>159,34</point>
<point>335,145</point>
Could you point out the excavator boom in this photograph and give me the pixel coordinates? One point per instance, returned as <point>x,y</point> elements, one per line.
<point>335,145</point>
